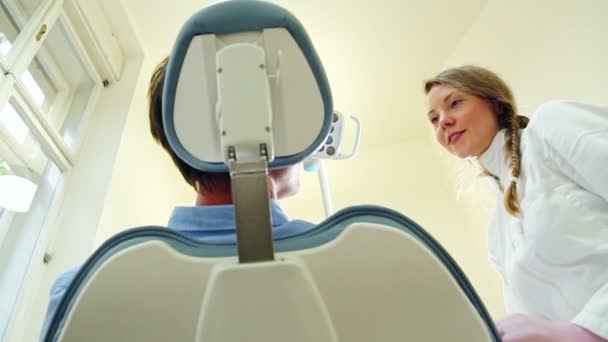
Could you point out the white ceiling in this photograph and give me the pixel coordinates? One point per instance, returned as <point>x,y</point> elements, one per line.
<point>376,53</point>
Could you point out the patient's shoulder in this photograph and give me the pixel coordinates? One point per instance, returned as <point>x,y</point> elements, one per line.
<point>64,280</point>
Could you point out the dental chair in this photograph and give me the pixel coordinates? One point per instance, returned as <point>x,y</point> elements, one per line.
<point>246,92</point>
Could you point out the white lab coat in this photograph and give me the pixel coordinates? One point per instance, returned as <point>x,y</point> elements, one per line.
<point>554,258</point>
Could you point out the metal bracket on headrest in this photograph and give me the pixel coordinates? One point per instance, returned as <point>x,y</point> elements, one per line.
<point>244,115</point>
<point>252,211</point>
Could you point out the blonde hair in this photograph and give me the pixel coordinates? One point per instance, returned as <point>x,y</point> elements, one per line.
<point>485,84</point>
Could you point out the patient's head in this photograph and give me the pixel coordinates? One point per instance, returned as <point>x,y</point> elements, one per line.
<point>282,182</point>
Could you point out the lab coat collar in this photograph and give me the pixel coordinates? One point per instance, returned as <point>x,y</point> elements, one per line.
<point>495,160</point>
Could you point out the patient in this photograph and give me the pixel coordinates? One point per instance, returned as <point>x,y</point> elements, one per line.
<point>212,218</point>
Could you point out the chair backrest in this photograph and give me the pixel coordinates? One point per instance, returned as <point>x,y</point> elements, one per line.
<point>366,274</point>
<point>244,92</point>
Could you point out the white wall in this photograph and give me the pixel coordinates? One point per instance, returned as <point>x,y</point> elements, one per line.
<point>145,184</point>
<point>545,49</point>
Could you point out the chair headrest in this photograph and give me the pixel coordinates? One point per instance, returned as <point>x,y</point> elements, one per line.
<point>195,101</point>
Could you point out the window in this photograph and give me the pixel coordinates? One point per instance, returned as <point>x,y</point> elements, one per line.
<point>47,87</point>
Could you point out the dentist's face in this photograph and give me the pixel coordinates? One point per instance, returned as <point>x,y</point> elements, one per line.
<point>464,124</point>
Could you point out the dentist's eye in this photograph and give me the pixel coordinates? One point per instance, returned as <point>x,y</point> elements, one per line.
<point>455,103</point>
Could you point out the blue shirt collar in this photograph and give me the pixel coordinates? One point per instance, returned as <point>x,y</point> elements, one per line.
<point>215,218</point>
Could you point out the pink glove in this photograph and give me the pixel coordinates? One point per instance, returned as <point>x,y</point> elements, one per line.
<point>523,328</point>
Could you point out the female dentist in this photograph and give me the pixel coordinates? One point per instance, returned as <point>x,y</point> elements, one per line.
<point>549,235</point>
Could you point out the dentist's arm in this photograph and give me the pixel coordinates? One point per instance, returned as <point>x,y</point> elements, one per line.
<point>523,328</point>
<point>575,136</point>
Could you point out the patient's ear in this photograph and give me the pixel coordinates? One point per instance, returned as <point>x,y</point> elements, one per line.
<point>284,182</point>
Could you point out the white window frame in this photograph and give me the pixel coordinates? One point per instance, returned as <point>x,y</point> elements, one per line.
<point>63,95</point>
<point>42,126</point>
<point>6,218</point>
